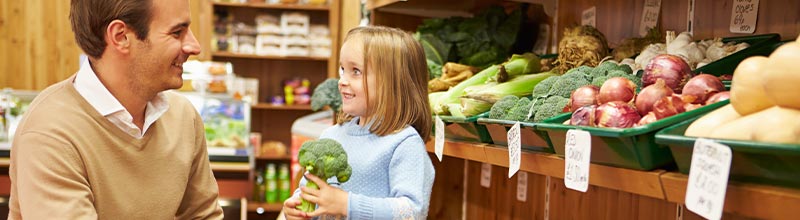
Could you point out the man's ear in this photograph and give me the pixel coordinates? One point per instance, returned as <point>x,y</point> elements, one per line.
<point>117,36</point>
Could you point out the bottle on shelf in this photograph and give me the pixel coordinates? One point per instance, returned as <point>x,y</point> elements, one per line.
<point>259,190</point>
<point>285,184</point>
<point>271,194</point>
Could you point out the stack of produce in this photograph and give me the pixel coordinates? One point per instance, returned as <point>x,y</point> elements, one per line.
<point>615,104</point>
<point>452,74</point>
<point>581,45</point>
<point>762,105</point>
<point>552,96</point>
<point>633,46</point>
<point>696,54</point>
<point>477,94</point>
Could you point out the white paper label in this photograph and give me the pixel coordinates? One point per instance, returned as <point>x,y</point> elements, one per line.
<point>576,164</point>
<point>690,18</point>
<point>522,186</point>
<point>708,178</point>
<point>744,15</point>
<point>438,147</point>
<point>542,39</point>
<point>486,175</point>
<point>589,17</point>
<point>652,8</point>
<point>514,149</point>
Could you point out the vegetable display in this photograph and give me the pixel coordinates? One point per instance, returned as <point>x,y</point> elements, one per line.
<point>762,107</point>
<point>325,158</point>
<point>581,45</point>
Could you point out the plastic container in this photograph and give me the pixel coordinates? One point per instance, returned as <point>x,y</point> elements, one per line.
<point>530,138</point>
<point>633,148</point>
<point>762,45</point>
<point>465,129</point>
<point>757,162</point>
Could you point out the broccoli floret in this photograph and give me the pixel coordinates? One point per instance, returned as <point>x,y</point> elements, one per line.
<point>584,69</point>
<point>604,68</point>
<point>598,81</point>
<point>578,74</point>
<point>627,69</point>
<point>520,111</point>
<point>568,83</point>
<point>501,108</point>
<point>325,158</point>
<point>619,73</point>
<point>552,106</point>
<point>544,86</point>
<point>327,94</point>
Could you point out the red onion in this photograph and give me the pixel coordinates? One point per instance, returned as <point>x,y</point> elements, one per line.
<point>668,106</point>
<point>616,114</point>
<point>584,116</point>
<point>690,106</point>
<point>720,96</point>
<point>728,77</point>
<point>650,94</point>
<point>702,86</point>
<point>617,89</point>
<point>647,119</point>
<point>583,96</point>
<point>673,69</point>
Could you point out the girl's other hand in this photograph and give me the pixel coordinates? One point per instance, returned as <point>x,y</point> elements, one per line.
<point>290,210</point>
<point>330,200</point>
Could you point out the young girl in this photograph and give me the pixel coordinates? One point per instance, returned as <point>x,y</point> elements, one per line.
<point>386,122</point>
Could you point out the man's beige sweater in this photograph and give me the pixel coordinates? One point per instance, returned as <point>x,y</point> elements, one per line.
<point>69,162</point>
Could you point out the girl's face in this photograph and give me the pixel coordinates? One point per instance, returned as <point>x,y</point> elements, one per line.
<point>352,75</point>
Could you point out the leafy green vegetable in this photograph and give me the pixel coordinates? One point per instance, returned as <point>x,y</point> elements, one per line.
<point>327,94</point>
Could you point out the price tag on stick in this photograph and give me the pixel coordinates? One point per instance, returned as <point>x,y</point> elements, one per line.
<point>576,162</point>
<point>514,149</point>
<point>708,178</point>
<point>438,146</point>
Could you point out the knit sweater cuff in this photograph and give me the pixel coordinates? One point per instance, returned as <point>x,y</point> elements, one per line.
<point>359,207</point>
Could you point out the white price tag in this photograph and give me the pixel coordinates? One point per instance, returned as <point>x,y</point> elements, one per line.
<point>576,164</point>
<point>652,8</point>
<point>438,146</point>
<point>522,186</point>
<point>589,17</point>
<point>708,178</point>
<point>744,15</point>
<point>514,149</point>
<point>486,175</point>
<point>542,39</point>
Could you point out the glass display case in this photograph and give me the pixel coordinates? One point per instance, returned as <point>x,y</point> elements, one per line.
<point>227,125</point>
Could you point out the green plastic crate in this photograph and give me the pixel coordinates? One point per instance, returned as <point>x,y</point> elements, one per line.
<point>760,45</point>
<point>757,162</point>
<point>530,138</point>
<point>633,148</point>
<point>465,129</point>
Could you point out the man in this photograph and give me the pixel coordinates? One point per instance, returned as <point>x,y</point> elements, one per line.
<point>110,142</point>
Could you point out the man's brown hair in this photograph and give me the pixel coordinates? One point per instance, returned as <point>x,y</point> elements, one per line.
<point>90,18</point>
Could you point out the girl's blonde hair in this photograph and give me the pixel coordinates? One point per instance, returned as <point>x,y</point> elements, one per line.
<point>397,61</point>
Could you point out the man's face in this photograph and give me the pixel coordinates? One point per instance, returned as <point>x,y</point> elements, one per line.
<point>158,60</point>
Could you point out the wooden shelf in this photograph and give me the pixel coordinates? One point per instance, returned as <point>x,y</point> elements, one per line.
<point>275,6</point>
<point>273,157</point>
<point>230,167</point>
<point>745,199</point>
<point>646,183</point>
<point>268,207</point>
<point>267,106</point>
<point>221,54</point>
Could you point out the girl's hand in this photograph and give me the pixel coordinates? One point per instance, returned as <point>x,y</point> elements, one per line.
<point>330,200</point>
<point>290,210</point>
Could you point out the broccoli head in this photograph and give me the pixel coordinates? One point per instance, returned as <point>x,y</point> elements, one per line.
<point>567,83</point>
<point>325,158</point>
<point>604,68</point>
<point>544,86</point>
<point>625,68</point>
<point>327,94</point>
<point>552,106</point>
<point>520,111</point>
<point>598,81</point>
<point>502,107</point>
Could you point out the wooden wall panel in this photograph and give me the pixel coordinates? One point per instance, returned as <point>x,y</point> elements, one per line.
<point>36,52</point>
<point>619,19</point>
<point>202,26</point>
<point>480,200</point>
<point>602,203</point>
<point>448,188</point>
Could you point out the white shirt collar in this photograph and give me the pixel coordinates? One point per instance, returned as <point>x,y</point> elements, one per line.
<point>89,86</point>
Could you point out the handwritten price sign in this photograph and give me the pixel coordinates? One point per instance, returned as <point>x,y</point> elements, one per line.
<point>744,14</point>
<point>576,164</point>
<point>708,178</point>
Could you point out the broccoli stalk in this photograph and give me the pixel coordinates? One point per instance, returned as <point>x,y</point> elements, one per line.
<point>325,158</point>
